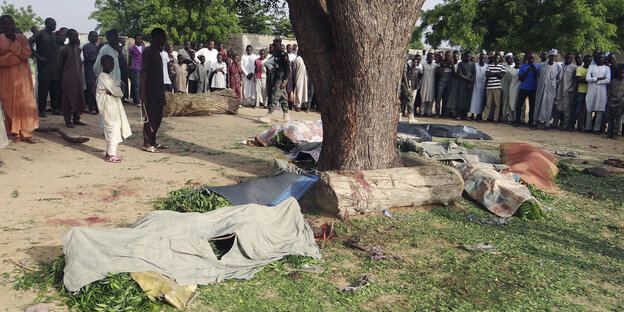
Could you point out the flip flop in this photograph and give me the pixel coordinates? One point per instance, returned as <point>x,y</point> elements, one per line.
<point>29,140</point>
<point>151,149</point>
<point>113,159</point>
<point>162,146</point>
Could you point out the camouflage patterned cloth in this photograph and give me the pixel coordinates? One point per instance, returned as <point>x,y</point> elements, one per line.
<point>499,193</point>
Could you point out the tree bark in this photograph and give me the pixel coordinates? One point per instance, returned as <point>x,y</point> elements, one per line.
<point>348,193</point>
<point>355,50</point>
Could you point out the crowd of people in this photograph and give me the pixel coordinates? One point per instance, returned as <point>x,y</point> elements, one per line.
<point>97,78</point>
<point>582,93</point>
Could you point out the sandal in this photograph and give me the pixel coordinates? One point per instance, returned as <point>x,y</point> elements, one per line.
<point>29,140</point>
<point>151,149</point>
<point>113,159</point>
<point>162,146</point>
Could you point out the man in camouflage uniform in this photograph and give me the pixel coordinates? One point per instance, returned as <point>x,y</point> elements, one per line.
<point>279,68</point>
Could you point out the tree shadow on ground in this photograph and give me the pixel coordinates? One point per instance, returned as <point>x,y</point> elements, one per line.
<point>44,254</point>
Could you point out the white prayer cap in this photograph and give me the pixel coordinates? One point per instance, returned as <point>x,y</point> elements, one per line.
<point>509,54</point>
<point>553,52</point>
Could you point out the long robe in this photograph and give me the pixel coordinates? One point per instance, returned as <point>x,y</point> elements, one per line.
<point>201,75</point>
<point>234,71</point>
<point>107,50</point>
<point>514,88</point>
<point>112,114</point>
<point>89,53</point>
<point>478,89</point>
<point>616,99</point>
<point>4,140</point>
<point>567,85</point>
<point>427,89</point>
<point>248,66</point>
<point>181,82</point>
<point>596,99</point>
<point>506,102</point>
<point>219,78</point>
<point>16,87</point>
<point>546,93</point>
<point>71,75</point>
<point>301,82</point>
<point>464,93</point>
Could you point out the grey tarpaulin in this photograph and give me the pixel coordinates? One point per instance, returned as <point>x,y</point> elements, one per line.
<point>267,191</point>
<point>444,131</point>
<point>177,244</point>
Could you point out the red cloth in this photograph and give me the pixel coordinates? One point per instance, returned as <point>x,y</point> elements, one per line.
<point>258,64</point>
<point>234,72</point>
<point>532,164</point>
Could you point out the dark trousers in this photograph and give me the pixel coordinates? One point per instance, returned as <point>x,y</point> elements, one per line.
<point>135,84</point>
<point>154,115</point>
<point>578,111</point>
<point>192,86</point>
<point>90,99</point>
<point>54,88</point>
<point>522,95</point>
<point>443,91</point>
<point>168,87</point>
<point>70,115</point>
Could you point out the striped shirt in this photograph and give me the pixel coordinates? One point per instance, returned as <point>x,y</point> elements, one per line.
<point>495,82</point>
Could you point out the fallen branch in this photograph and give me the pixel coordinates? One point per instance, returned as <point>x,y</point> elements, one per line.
<point>67,137</point>
<point>19,265</point>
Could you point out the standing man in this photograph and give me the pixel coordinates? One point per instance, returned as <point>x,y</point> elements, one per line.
<point>16,85</point>
<point>70,68</point>
<point>494,74</point>
<point>428,87</point>
<point>135,57</point>
<point>279,66</point>
<point>48,80</point>
<point>415,99</point>
<point>528,74</point>
<point>249,86</point>
<point>188,47</point>
<point>580,108</point>
<point>443,86</point>
<point>478,88</point>
<point>549,76</point>
<point>301,84</point>
<point>112,39</point>
<point>209,53</point>
<point>261,79</point>
<point>566,94</point>
<point>90,53</point>
<point>598,78</point>
<point>508,107</point>
<point>466,73</point>
<point>153,90</point>
<point>123,69</point>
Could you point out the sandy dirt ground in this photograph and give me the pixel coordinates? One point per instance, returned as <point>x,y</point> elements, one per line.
<point>49,187</point>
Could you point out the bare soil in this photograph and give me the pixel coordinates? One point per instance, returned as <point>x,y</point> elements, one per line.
<point>49,187</point>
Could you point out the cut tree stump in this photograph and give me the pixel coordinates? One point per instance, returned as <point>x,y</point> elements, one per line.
<point>200,104</point>
<point>422,182</point>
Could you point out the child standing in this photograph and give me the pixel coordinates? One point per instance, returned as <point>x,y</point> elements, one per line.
<point>112,114</point>
<point>616,103</point>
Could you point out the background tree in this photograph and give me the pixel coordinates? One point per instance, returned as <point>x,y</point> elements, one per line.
<point>354,51</point>
<point>416,40</point>
<point>24,18</point>
<point>523,25</point>
<point>280,24</point>
<point>254,19</point>
<point>124,15</point>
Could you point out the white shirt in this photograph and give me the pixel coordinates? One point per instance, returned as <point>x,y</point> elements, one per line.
<point>210,55</point>
<point>165,59</point>
<point>248,63</point>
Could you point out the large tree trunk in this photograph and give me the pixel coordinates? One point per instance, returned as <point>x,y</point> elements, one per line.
<point>354,51</point>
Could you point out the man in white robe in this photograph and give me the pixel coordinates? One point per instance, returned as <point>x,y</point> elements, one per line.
<point>598,78</point>
<point>248,64</point>
<point>112,114</point>
<point>427,89</point>
<point>478,88</point>
<point>548,80</point>
<point>301,83</point>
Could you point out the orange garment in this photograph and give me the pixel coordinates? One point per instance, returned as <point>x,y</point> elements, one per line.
<point>16,87</point>
<point>533,165</point>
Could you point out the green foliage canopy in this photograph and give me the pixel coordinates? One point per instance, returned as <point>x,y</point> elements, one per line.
<point>523,25</point>
<point>24,18</point>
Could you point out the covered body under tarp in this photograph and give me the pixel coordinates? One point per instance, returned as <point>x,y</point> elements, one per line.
<point>177,245</point>
<point>444,131</point>
<point>267,191</point>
